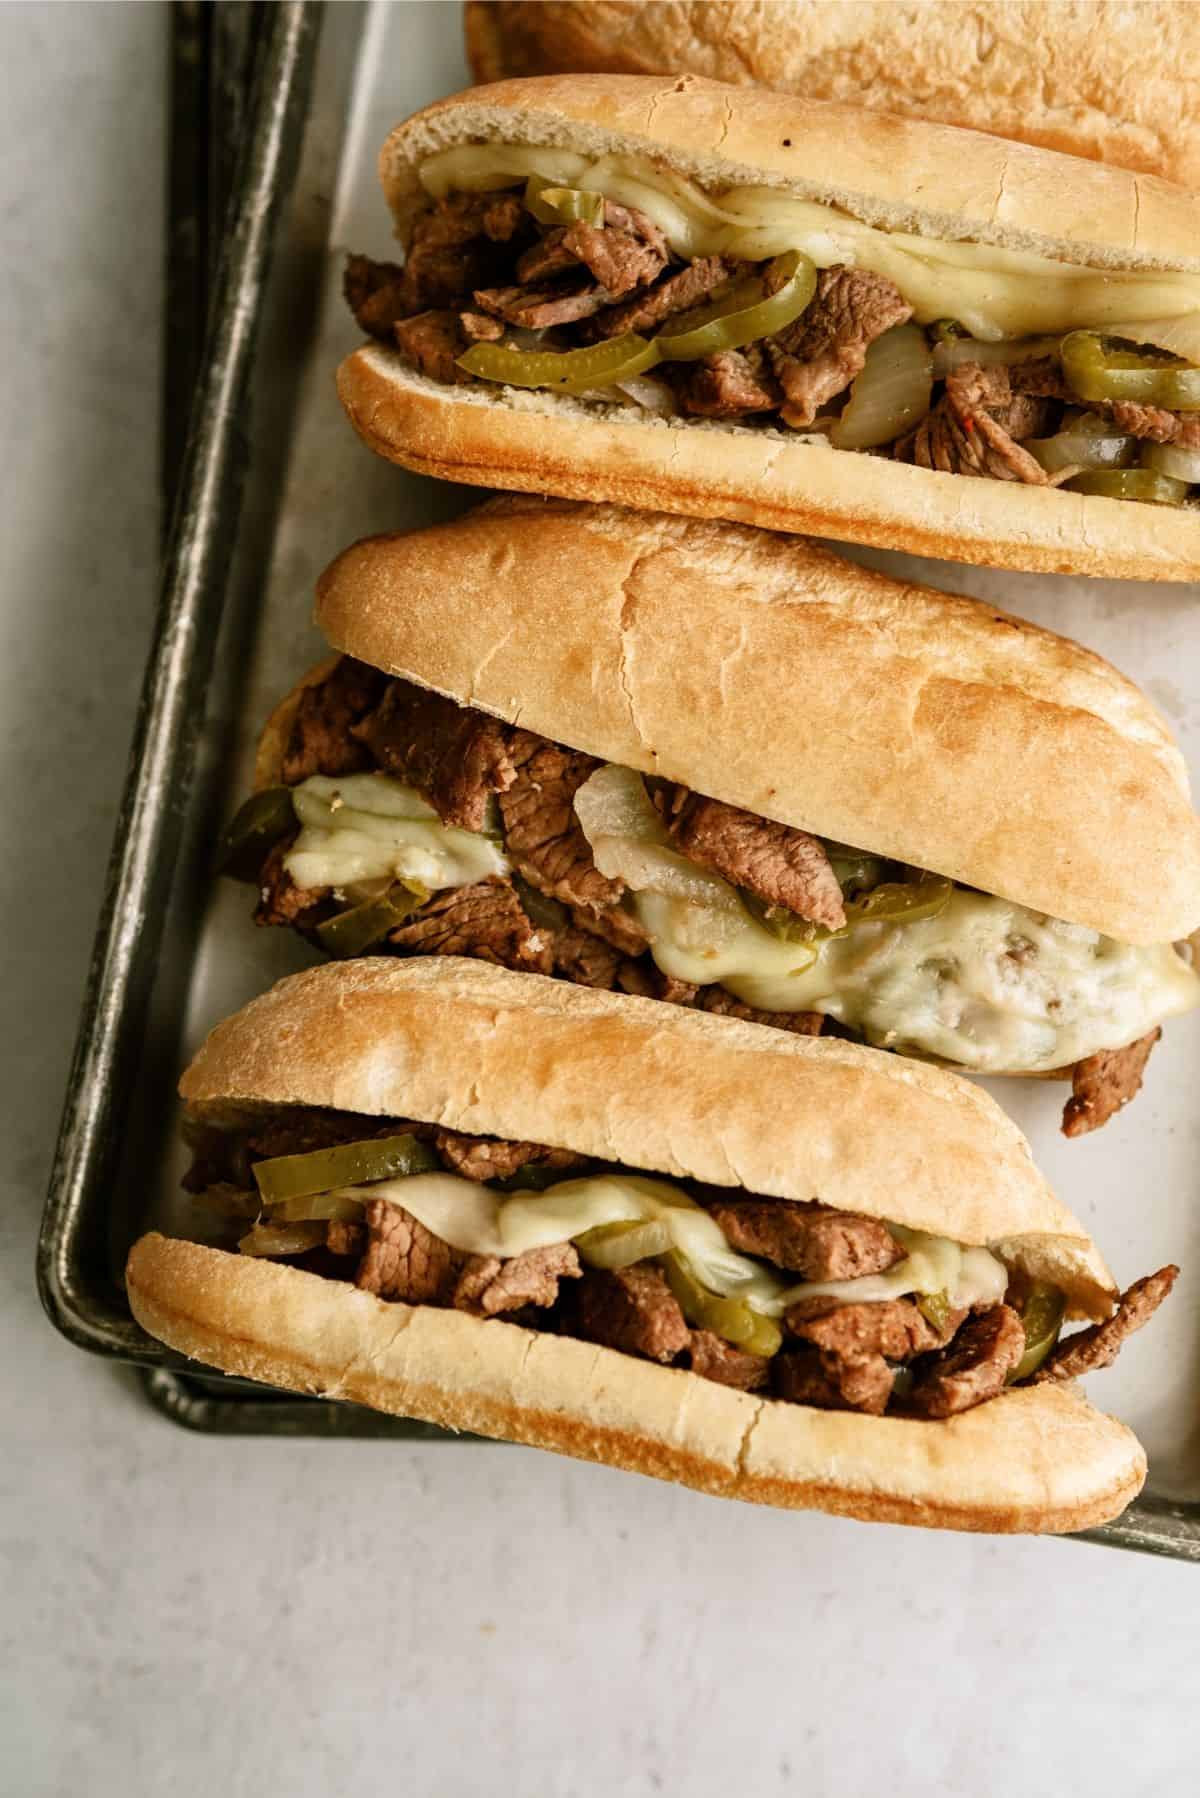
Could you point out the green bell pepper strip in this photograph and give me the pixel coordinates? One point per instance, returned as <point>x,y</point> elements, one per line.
<point>361,926</point>
<point>562,371</point>
<point>1105,368</point>
<point>562,205</point>
<point>1131,483</point>
<point>731,1319</point>
<point>1043,1318</point>
<point>346,1164</point>
<point>730,323</point>
<point>264,820</point>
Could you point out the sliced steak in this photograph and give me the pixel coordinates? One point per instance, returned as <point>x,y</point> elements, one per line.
<point>1099,1345</point>
<point>619,260</point>
<point>548,256</point>
<point>781,865</point>
<point>727,385</point>
<point>345,1239</point>
<point>404,1260</point>
<point>818,356</point>
<point>376,294</point>
<point>1102,1083</point>
<point>582,956</point>
<point>281,901</point>
<point>451,251</point>
<point>433,342</point>
<point>542,834</point>
<point>483,1158</point>
<point>894,1328</point>
<point>489,1285</point>
<point>451,753</point>
<point>321,739</point>
<point>537,308</point>
<point>675,293</point>
<point>633,1309</point>
<point>1157,424</point>
<point>724,1005</point>
<point>964,433</point>
<point>805,1376</point>
<point>486,921</point>
<point>476,327</point>
<point>808,1239</point>
<point>715,1359</point>
<point>1043,378</point>
<point>973,1367</point>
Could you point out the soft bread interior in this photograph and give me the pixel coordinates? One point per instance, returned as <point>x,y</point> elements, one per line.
<point>1038,1459</point>
<point>641,1084</point>
<point>900,174</point>
<point>764,671</point>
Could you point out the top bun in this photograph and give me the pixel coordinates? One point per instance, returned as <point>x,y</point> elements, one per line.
<point>772,674</point>
<point>655,1087</point>
<point>900,174</point>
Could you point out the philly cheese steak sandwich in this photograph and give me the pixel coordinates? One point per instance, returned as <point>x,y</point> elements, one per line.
<point>729,302</point>
<point>726,769</point>
<point>776,1269</point>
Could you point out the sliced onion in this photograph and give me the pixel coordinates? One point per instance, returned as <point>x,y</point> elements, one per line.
<point>630,843</point>
<point>283,1239</point>
<point>954,351</point>
<point>892,393</point>
<point>1168,459</point>
<point>651,395</point>
<point>1079,448</point>
<point>620,1245</point>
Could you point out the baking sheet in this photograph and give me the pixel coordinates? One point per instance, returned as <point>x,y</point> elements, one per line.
<point>314,488</point>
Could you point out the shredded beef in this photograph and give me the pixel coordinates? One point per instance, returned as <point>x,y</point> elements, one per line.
<point>486,921</point>
<point>811,1239</point>
<point>537,308</point>
<point>726,385</point>
<point>433,341</point>
<point>281,901</point>
<point>675,293</point>
<point>1157,424</point>
<point>632,1309</point>
<point>542,834</point>
<point>818,356</point>
<point>715,1359</point>
<point>483,1158</point>
<point>973,1367</point>
<point>451,753</point>
<point>1102,1083</point>
<point>321,739</point>
<point>965,433</point>
<point>781,865</point>
<point>1100,1344</point>
<point>404,1260</point>
<point>490,1286</point>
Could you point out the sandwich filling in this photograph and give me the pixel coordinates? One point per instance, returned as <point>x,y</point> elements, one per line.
<point>406,824</point>
<point>622,284</point>
<point>813,1305</point>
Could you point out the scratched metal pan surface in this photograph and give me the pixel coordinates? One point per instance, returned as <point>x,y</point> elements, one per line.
<point>310,489</point>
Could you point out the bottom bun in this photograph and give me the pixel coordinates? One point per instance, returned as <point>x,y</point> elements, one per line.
<point>1038,1459</point>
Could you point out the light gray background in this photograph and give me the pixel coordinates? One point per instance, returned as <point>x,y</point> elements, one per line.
<point>199,1616</point>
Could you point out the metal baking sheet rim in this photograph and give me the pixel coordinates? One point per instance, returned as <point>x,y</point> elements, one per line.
<point>189,613</point>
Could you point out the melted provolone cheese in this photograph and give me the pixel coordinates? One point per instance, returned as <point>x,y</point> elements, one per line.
<point>478,1220</point>
<point>370,827</point>
<point>994,292</point>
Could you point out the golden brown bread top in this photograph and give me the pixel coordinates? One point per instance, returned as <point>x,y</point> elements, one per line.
<point>1038,1458</point>
<point>642,1084</point>
<point>1103,79</point>
<point>900,174</point>
<point>769,673</point>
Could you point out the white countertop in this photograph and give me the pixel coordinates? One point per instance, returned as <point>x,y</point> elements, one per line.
<point>192,1615</point>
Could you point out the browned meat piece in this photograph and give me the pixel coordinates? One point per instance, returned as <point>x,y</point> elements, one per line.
<point>633,1309</point>
<point>541,832</point>
<point>1157,424</point>
<point>726,386</point>
<point>491,1158</point>
<point>1102,1083</point>
<point>502,216</point>
<point>805,1376</point>
<point>299,1129</point>
<point>809,1239</point>
<point>1017,410</point>
<point>485,920</point>
<point>619,260</point>
<point>1043,378</point>
<point>647,981</point>
<point>537,308</point>
<point>281,901</point>
<point>585,958</point>
<point>782,866</point>
<point>973,1367</point>
<point>893,1328</point>
<point>404,1260</point>
<point>716,999</point>
<point>451,252</point>
<point>548,256</point>
<point>492,1286</point>
<point>1100,1344</point>
<point>376,295</point>
<point>715,1359</point>
<point>963,433</point>
<point>674,294</point>
<point>433,342</point>
<point>320,740</point>
<point>451,753</point>
<point>619,928</point>
<point>345,1239</point>
<point>818,356</point>
<point>478,328</point>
